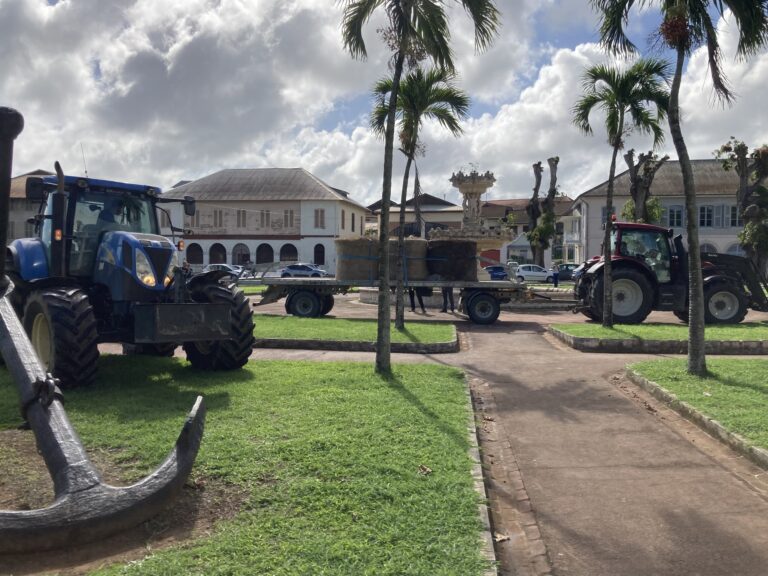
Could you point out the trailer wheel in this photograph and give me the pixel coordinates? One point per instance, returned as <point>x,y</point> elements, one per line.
<point>724,304</point>
<point>224,354</point>
<point>632,296</point>
<point>306,304</point>
<point>483,309</point>
<point>62,328</point>
<point>327,304</point>
<point>289,304</point>
<point>162,350</point>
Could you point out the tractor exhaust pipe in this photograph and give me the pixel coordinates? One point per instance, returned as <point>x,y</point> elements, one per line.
<point>84,507</point>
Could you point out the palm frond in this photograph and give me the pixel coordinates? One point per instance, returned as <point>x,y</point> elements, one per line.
<point>614,16</point>
<point>356,14</point>
<point>487,21</point>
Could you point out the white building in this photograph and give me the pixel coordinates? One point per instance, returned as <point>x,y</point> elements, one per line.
<point>719,221</point>
<point>262,216</point>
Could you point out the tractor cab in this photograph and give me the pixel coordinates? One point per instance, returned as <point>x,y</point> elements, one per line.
<point>647,245</point>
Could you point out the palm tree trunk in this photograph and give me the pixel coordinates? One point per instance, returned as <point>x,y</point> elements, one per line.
<point>607,268</point>
<point>400,291</point>
<point>383,340</point>
<point>697,364</point>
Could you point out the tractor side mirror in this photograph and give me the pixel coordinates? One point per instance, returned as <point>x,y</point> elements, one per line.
<point>189,205</point>
<point>35,190</point>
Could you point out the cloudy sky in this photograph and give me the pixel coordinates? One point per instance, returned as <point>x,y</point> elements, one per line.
<point>156,91</point>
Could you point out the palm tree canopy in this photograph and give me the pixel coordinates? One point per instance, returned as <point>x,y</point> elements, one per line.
<point>751,18</point>
<point>418,25</point>
<point>422,95</point>
<point>625,93</point>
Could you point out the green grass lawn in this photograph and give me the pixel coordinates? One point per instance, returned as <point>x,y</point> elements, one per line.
<point>735,393</point>
<point>327,453</point>
<point>356,330</point>
<point>652,331</point>
<point>252,290</point>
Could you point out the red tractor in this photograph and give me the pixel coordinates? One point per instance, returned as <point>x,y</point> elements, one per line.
<point>650,272</point>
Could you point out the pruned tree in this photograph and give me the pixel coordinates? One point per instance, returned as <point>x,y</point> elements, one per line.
<point>541,232</point>
<point>751,197</point>
<point>641,177</point>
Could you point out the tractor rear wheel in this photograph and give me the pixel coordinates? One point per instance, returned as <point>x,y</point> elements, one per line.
<point>632,296</point>
<point>224,354</point>
<point>62,328</point>
<point>724,304</point>
<point>681,315</point>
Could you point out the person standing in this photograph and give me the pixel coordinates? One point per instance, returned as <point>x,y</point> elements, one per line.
<point>555,274</point>
<point>447,297</point>
<point>411,292</point>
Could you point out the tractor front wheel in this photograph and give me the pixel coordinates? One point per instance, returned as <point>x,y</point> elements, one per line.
<point>724,304</point>
<point>224,354</point>
<point>62,328</point>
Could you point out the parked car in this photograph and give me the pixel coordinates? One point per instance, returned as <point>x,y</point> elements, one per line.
<point>533,273</point>
<point>301,270</point>
<point>497,272</point>
<point>233,270</point>
<point>566,270</point>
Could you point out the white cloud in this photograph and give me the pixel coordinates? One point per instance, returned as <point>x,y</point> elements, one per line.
<point>161,90</point>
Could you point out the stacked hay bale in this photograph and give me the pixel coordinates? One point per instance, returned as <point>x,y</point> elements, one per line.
<point>357,260</point>
<point>452,260</point>
<point>414,259</point>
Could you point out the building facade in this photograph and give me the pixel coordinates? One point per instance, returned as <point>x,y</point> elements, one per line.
<point>264,217</point>
<point>716,210</point>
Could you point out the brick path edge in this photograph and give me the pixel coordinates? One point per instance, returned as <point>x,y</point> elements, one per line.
<point>712,427</point>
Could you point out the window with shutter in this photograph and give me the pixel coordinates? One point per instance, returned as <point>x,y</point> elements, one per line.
<point>706,216</point>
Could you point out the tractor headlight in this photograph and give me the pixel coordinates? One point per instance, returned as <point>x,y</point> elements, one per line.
<point>144,269</point>
<point>174,263</point>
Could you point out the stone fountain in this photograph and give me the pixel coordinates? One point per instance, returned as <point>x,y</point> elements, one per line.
<point>472,186</point>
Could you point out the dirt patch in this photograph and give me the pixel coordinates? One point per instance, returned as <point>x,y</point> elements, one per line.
<point>25,485</point>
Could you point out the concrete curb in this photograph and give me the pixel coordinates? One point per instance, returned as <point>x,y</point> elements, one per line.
<point>358,346</point>
<point>487,549</point>
<point>634,346</point>
<point>758,455</point>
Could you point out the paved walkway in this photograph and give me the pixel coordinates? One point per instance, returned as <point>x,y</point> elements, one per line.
<point>587,474</point>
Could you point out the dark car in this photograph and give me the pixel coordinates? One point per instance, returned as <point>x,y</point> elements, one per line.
<point>497,272</point>
<point>566,270</point>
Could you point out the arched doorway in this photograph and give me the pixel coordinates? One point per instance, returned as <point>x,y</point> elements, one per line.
<point>217,254</point>
<point>265,254</point>
<point>736,250</point>
<point>707,247</point>
<point>319,255</point>
<point>241,254</point>
<point>288,253</point>
<point>194,254</point>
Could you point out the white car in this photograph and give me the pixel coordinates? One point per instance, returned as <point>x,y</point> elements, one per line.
<point>301,270</point>
<point>533,273</point>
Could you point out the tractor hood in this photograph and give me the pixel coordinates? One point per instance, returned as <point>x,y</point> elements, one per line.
<point>147,259</point>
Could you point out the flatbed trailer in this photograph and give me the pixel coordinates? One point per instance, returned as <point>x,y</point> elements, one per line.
<point>313,297</point>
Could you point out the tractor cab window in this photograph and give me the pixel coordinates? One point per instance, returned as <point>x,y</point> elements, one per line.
<point>648,246</point>
<point>100,211</point>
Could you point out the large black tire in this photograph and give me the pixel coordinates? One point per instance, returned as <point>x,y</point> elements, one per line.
<point>632,296</point>
<point>306,304</point>
<point>724,304</point>
<point>483,309</point>
<point>327,304</point>
<point>62,328</point>
<point>164,350</point>
<point>681,315</point>
<point>224,354</point>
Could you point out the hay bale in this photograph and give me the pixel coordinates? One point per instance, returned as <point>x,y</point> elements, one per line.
<point>357,260</point>
<point>414,261</point>
<point>452,260</point>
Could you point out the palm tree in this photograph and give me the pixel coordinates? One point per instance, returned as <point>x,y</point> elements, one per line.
<point>417,29</point>
<point>622,95</point>
<point>422,96</point>
<point>688,24</point>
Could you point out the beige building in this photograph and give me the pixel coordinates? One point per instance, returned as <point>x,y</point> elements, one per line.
<point>268,215</point>
<point>21,209</point>
<point>718,219</point>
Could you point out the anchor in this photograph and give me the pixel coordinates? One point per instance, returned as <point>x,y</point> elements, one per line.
<point>84,508</point>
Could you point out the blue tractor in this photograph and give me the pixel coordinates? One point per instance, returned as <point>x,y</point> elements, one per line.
<point>99,271</point>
